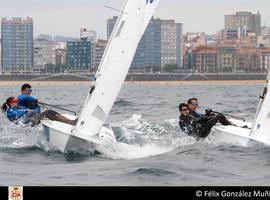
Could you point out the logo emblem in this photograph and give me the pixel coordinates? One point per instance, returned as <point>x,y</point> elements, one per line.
<point>15,193</point>
<point>258,126</point>
<point>149,1</point>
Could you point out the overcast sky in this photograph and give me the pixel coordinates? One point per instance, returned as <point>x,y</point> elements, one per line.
<point>66,17</point>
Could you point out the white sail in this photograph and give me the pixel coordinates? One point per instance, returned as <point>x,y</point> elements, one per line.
<point>261,125</point>
<point>115,64</point>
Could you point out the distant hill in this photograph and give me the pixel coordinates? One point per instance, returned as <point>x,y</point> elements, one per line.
<point>58,38</point>
<point>61,38</point>
<point>45,36</point>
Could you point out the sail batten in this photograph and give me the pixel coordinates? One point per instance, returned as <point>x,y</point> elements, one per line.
<point>115,64</point>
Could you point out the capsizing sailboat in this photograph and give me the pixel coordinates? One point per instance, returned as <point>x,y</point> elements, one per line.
<point>259,130</point>
<point>114,66</point>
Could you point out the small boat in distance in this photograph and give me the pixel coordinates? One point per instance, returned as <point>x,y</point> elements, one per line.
<point>114,66</point>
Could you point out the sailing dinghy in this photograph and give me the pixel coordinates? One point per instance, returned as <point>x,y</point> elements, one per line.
<point>117,58</point>
<point>259,130</point>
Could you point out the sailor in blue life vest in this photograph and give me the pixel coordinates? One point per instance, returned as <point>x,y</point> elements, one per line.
<point>198,127</point>
<point>15,112</point>
<point>20,114</point>
<point>26,100</point>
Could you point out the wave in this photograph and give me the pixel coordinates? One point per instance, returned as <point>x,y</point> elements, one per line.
<point>123,103</point>
<point>138,138</point>
<point>23,137</point>
<point>153,172</point>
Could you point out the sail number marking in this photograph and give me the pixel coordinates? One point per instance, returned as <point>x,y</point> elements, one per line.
<point>149,1</point>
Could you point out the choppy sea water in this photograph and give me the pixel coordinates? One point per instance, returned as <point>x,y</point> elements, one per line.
<point>152,151</point>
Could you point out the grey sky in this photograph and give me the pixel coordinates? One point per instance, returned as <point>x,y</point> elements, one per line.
<point>66,17</point>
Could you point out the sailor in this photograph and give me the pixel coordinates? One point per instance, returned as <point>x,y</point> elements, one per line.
<point>13,111</point>
<point>198,127</point>
<point>17,114</point>
<point>26,100</point>
<point>193,105</point>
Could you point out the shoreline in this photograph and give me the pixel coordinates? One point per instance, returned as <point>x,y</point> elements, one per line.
<point>196,82</point>
<point>138,82</point>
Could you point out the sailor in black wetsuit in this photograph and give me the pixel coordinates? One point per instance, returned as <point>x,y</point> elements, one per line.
<point>193,104</point>
<point>198,127</point>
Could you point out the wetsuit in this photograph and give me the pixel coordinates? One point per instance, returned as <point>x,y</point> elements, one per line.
<point>210,114</point>
<point>198,127</point>
<point>50,114</point>
<point>29,102</point>
<point>195,113</point>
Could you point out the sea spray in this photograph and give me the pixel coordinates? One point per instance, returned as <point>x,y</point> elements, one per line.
<point>138,138</point>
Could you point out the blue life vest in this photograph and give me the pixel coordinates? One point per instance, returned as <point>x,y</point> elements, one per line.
<point>29,102</point>
<point>16,113</point>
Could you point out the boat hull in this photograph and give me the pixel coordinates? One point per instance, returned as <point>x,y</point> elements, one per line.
<point>233,135</point>
<point>63,137</point>
<point>237,135</point>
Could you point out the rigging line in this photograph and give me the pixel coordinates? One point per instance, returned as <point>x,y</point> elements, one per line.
<point>115,9</point>
<point>99,15</point>
<point>98,69</point>
<point>98,72</point>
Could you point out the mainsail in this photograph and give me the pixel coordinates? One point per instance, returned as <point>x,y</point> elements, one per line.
<point>261,125</point>
<point>115,64</point>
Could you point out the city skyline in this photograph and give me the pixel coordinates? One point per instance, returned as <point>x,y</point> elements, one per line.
<point>66,17</point>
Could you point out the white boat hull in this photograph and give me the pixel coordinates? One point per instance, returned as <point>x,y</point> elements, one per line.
<point>233,135</point>
<point>237,135</point>
<point>62,137</point>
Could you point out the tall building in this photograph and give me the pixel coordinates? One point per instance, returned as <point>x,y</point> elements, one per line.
<point>98,49</point>
<point>148,53</point>
<point>110,25</point>
<point>171,43</point>
<point>17,45</point>
<point>79,55</point>
<point>160,45</point>
<point>252,22</point>
<point>44,53</point>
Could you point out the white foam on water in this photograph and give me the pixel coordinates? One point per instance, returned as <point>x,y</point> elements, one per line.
<point>21,136</point>
<point>138,138</point>
<point>143,139</point>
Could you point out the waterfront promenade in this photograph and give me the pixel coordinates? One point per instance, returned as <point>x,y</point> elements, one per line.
<point>142,77</point>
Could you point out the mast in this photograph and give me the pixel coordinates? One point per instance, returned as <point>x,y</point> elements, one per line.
<point>114,66</point>
<point>261,105</point>
<point>109,42</point>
